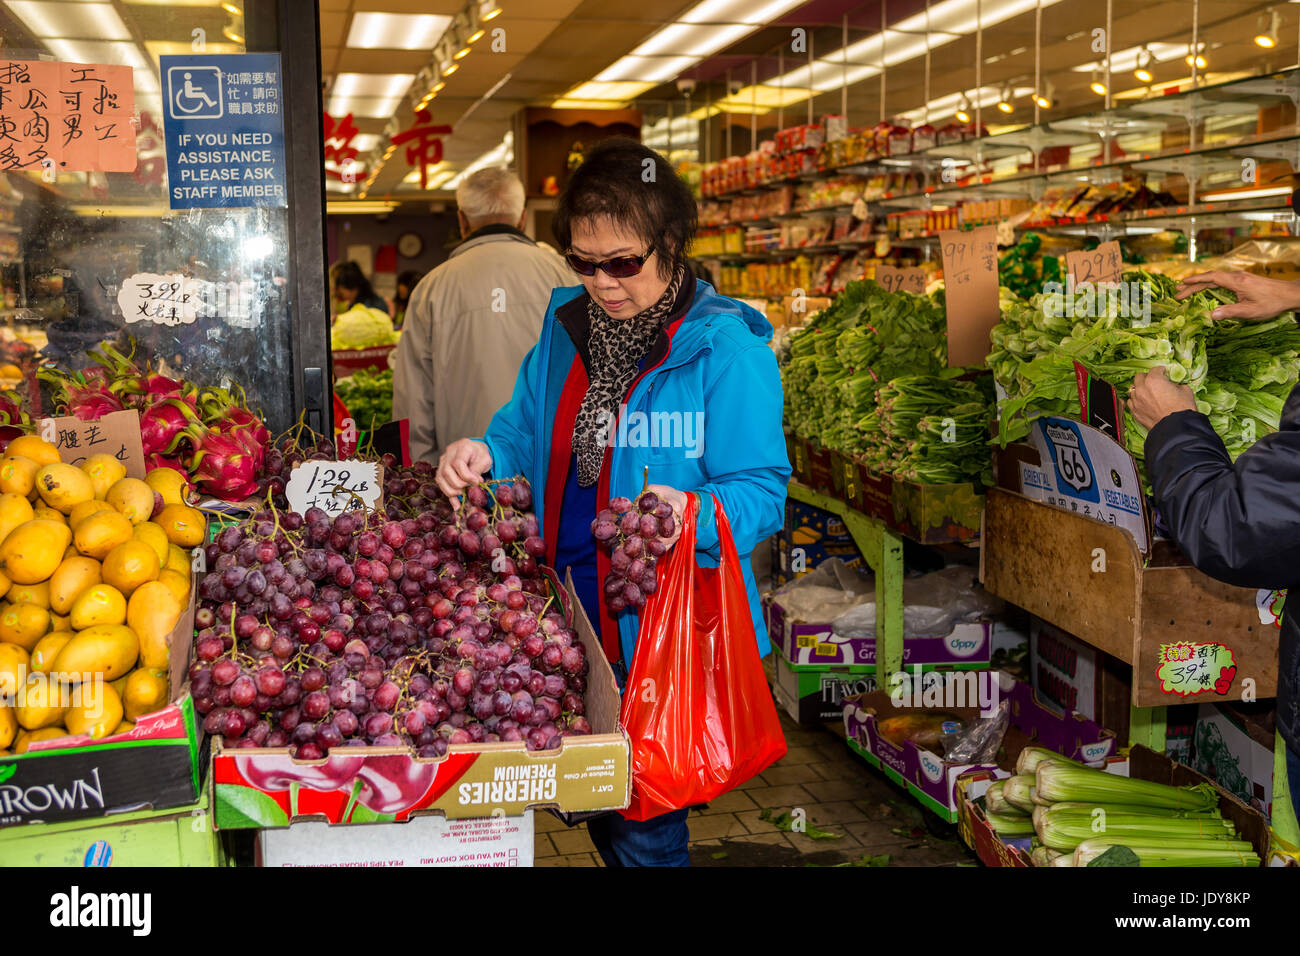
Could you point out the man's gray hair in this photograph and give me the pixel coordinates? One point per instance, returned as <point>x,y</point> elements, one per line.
<point>491,193</point>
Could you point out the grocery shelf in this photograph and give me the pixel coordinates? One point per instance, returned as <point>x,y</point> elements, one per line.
<point>883,550</point>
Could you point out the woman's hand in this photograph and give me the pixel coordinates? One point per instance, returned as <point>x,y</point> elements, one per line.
<point>1258,298</point>
<point>463,463</point>
<point>1154,397</point>
<point>677,499</point>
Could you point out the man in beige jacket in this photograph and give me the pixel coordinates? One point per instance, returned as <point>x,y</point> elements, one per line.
<point>471,320</point>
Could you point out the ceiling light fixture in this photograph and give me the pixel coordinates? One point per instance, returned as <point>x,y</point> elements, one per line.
<point>1004,101</point>
<point>1097,86</point>
<point>1269,23</point>
<point>1144,61</point>
<point>1200,61</point>
<point>1044,99</point>
<point>963,111</point>
<point>488,10</point>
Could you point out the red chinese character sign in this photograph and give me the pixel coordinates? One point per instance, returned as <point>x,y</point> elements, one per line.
<point>426,144</point>
<point>339,134</point>
<point>66,117</point>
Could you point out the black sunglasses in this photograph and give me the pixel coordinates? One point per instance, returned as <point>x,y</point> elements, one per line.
<point>620,267</point>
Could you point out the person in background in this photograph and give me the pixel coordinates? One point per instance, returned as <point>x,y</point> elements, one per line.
<point>1237,521</point>
<point>471,320</point>
<point>351,287</point>
<point>406,284</point>
<point>641,337</point>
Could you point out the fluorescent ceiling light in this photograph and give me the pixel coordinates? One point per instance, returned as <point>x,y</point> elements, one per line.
<point>767,97</point>
<point>502,154</point>
<point>1129,59</point>
<point>685,39</point>
<point>118,53</point>
<point>649,69</point>
<point>737,11</point>
<point>371,84</point>
<point>364,107</point>
<point>345,207</point>
<point>1260,193</point>
<point>160,48</point>
<point>92,21</point>
<point>396,31</point>
<point>613,92</point>
<point>945,106</point>
<point>365,142</point>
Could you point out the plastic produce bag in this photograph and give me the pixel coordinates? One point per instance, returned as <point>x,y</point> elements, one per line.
<point>932,605</point>
<point>697,707</point>
<point>825,593</point>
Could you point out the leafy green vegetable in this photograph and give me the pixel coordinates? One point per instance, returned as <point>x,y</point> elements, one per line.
<point>368,395</point>
<point>362,327</point>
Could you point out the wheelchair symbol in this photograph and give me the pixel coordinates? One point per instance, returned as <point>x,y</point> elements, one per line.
<point>195,92</point>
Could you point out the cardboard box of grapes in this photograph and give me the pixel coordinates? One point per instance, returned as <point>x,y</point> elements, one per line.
<point>156,765</point>
<point>261,788</point>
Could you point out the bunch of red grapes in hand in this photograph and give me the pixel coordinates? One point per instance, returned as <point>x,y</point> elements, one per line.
<point>418,627</point>
<point>634,533</point>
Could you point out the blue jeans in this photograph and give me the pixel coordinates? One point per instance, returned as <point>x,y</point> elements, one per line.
<point>660,841</point>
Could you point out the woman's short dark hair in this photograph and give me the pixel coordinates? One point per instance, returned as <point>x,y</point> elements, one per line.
<point>635,188</point>
<point>348,275</point>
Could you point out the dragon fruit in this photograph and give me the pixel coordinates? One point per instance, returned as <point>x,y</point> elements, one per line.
<point>11,410</point>
<point>155,461</point>
<point>220,465</point>
<point>161,423</point>
<point>87,397</point>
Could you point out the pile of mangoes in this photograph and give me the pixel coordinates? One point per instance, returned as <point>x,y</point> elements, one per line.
<point>94,575</point>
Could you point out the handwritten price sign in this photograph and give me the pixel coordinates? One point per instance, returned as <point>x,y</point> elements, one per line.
<point>1099,265</point>
<point>162,299</point>
<point>901,280</point>
<point>970,272</point>
<point>1186,669</point>
<point>335,486</point>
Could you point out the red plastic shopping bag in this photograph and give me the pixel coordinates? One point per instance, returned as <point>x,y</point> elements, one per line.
<point>696,705</point>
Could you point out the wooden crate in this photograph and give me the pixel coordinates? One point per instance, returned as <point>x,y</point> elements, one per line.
<point>1042,559</point>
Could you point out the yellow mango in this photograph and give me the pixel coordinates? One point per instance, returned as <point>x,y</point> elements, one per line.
<point>18,475</point>
<point>24,624</point>
<point>8,726</point>
<point>41,702</point>
<point>152,613</point>
<point>28,737</point>
<point>5,585</point>
<point>125,727</point>
<point>70,578</point>
<point>154,536</point>
<point>60,622</point>
<point>101,533</point>
<point>33,550</point>
<point>133,498</point>
<point>63,486</point>
<point>178,584</point>
<point>43,511</point>
<point>97,713</point>
<point>130,565</point>
<point>178,560</point>
<point>14,510</point>
<point>104,471</point>
<point>170,483</point>
<point>84,510</point>
<point>38,594</point>
<point>184,526</point>
<point>98,604</point>
<point>15,662</point>
<point>35,448</point>
<point>107,649</point>
<point>147,690</point>
<point>119,685</point>
<point>47,649</point>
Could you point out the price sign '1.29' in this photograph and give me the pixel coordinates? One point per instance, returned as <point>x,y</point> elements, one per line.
<point>334,486</point>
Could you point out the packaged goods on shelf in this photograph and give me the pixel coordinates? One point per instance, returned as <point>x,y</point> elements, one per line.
<point>797,138</point>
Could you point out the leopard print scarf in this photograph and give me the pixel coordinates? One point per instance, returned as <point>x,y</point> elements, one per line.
<point>617,347</point>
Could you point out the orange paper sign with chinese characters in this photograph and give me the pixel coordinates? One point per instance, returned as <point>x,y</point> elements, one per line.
<point>1103,264</point>
<point>970,278</point>
<point>901,280</point>
<point>66,116</point>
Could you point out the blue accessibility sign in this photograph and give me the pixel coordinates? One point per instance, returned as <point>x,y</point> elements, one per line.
<point>223,122</point>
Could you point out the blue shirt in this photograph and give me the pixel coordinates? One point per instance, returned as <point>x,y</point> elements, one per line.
<point>575,546</point>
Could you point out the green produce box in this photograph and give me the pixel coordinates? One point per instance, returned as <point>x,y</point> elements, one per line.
<point>178,837</point>
<point>811,694</point>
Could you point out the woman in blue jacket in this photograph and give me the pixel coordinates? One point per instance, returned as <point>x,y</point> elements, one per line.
<point>640,366</point>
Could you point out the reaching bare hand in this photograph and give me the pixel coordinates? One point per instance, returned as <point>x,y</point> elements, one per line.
<point>1258,298</point>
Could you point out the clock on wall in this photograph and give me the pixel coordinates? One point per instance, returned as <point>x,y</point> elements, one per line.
<point>410,245</point>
